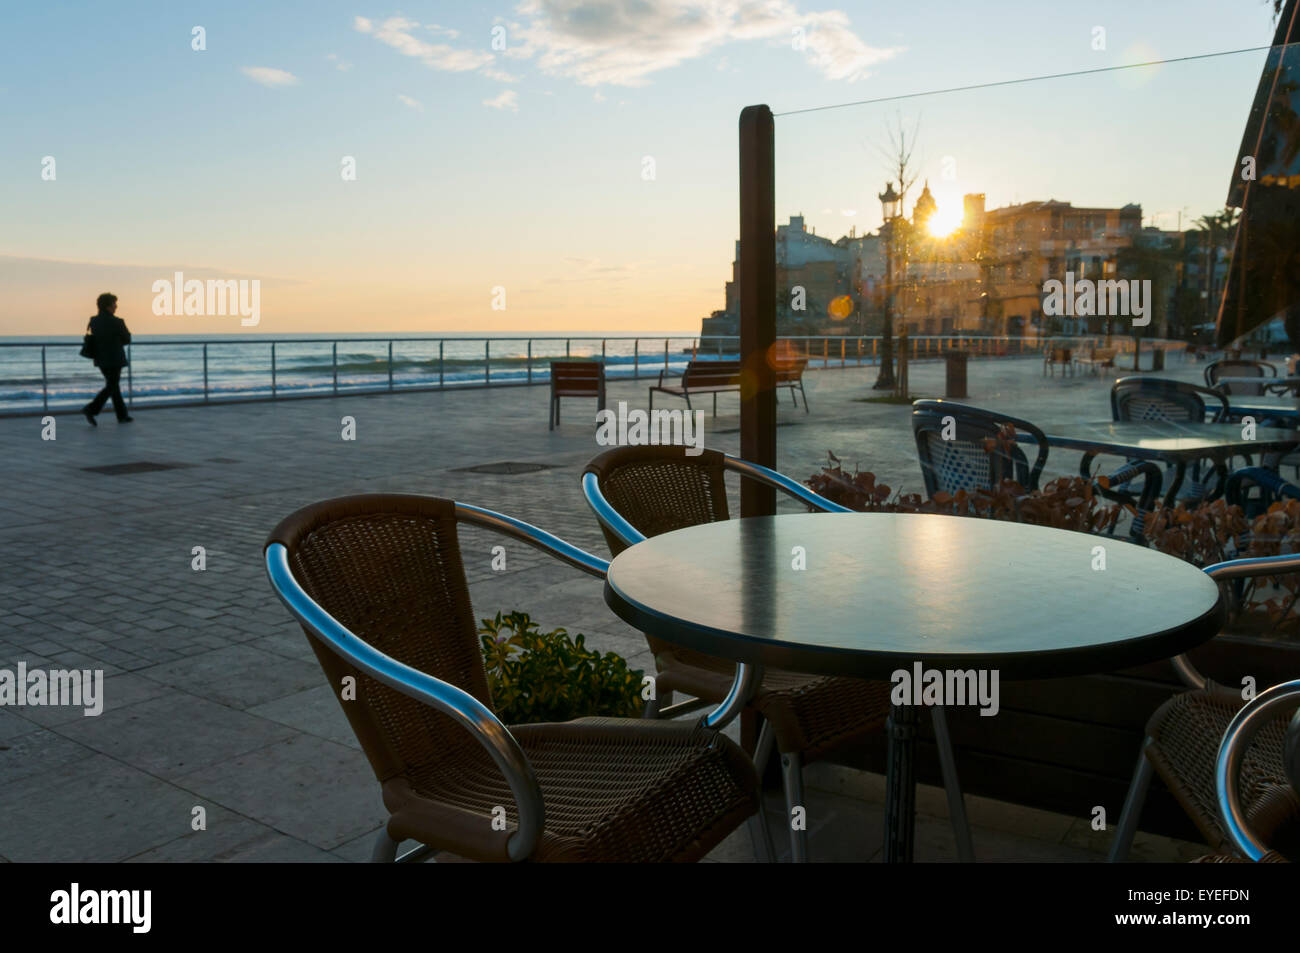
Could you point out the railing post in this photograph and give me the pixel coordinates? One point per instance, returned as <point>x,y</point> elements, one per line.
<point>130,380</point>
<point>440,378</point>
<point>487,361</point>
<point>843,344</point>
<point>45,387</point>
<point>205,372</point>
<point>602,350</point>
<point>567,342</point>
<point>665,355</point>
<point>272,369</point>
<point>335,364</point>
<point>530,360</point>
<point>636,358</point>
<point>390,365</point>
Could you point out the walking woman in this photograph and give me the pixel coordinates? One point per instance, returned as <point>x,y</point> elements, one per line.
<point>110,340</point>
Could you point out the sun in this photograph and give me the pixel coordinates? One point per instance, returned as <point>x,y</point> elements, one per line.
<point>944,222</point>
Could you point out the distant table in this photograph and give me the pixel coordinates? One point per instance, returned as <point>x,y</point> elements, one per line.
<point>883,592</point>
<point>1282,409</point>
<point>1177,444</point>
<point>1277,385</point>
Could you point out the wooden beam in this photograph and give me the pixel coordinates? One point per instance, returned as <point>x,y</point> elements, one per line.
<point>757,303</point>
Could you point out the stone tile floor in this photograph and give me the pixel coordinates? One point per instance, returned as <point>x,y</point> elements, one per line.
<point>212,695</point>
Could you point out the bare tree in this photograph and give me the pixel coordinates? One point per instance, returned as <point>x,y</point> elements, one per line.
<point>898,155</point>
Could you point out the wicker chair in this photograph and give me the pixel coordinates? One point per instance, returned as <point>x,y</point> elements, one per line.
<point>1259,715</point>
<point>951,447</point>
<point>379,587</point>
<point>1182,746</point>
<point>1239,368</point>
<point>637,492</point>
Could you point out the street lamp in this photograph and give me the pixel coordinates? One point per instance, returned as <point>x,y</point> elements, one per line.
<point>891,206</point>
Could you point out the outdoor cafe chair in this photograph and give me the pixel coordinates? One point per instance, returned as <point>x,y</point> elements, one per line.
<point>966,454</point>
<point>378,584</point>
<point>1157,398</point>
<point>1239,368</point>
<point>1182,746</point>
<point>638,492</point>
<point>1261,714</point>
<point>1269,487</point>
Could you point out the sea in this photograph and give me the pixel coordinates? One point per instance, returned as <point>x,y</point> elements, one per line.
<point>48,372</point>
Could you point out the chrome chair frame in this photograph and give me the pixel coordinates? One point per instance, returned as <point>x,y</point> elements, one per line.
<point>739,696</point>
<point>466,710</point>
<point>1230,571</point>
<point>1232,750</point>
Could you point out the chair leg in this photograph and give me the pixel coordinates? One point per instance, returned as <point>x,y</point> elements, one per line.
<point>952,785</point>
<point>759,830</point>
<point>550,423</point>
<point>792,775</point>
<point>804,396</point>
<point>1128,818</point>
<point>385,849</point>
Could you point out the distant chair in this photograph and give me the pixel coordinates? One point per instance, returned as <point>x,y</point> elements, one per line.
<point>378,584</point>
<point>1239,368</point>
<point>576,379</point>
<point>1161,399</point>
<point>1061,357</point>
<point>963,462</point>
<point>1157,398</point>
<point>1269,487</point>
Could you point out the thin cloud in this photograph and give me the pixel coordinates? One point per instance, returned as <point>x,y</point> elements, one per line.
<point>338,63</point>
<point>408,101</point>
<point>268,76</point>
<point>506,99</point>
<point>596,42</point>
<point>397,32</point>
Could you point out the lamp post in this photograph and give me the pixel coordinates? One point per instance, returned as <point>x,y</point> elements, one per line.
<point>890,205</point>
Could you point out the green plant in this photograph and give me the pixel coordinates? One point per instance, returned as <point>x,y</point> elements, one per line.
<point>540,676</point>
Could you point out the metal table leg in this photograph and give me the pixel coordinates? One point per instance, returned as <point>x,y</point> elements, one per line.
<point>900,784</point>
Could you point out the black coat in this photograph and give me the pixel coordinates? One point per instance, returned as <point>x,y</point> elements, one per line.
<point>111,338</point>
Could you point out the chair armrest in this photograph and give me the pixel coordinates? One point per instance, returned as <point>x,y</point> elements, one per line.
<point>1248,568</point>
<point>1232,751</point>
<point>782,482</point>
<point>609,517</point>
<point>534,536</point>
<point>462,707</point>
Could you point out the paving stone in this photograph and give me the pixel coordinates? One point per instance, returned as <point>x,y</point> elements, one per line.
<point>312,789</point>
<point>174,734</point>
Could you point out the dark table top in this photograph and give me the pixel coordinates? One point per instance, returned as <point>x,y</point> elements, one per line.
<point>884,590</point>
<point>1164,440</point>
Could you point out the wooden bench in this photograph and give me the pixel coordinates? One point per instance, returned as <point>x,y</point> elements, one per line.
<point>1058,356</point>
<point>789,373</point>
<point>576,379</point>
<point>720,377</point>
<point>1097,358</point>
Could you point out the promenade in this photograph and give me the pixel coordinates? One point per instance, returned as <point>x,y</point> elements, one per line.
<point>212,695</point>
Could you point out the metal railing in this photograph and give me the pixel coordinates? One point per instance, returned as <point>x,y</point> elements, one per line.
<point>379,364</point>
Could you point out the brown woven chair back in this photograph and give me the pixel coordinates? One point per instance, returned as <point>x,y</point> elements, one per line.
<point>388,567</point>
<point>660,489</point>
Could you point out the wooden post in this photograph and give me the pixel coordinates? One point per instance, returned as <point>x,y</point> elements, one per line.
<point>757,303</point>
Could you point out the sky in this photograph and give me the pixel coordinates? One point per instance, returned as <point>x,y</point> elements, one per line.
<point>554,165</point>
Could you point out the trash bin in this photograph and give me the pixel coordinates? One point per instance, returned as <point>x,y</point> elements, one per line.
<point>1158,359</point>
<point>955,385</point>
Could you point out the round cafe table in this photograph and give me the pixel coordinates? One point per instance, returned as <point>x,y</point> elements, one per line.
<point>880,592</point>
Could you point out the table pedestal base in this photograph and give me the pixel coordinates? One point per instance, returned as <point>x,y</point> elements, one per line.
<point>900,784</point>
